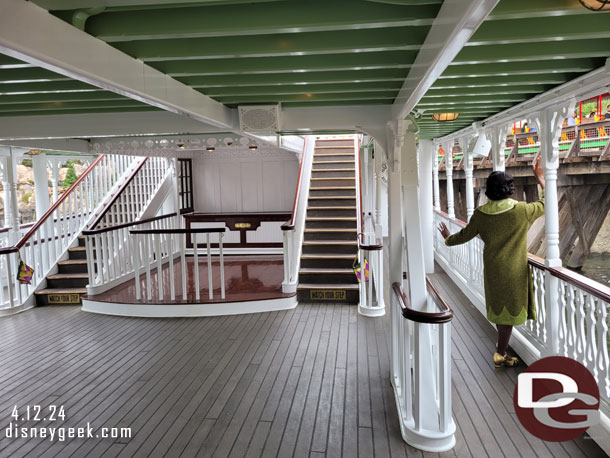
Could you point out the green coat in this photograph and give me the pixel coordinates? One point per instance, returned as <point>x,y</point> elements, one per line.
<point>509,287</point>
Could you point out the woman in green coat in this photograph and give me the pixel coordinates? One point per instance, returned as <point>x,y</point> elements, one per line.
<point>502,224</point>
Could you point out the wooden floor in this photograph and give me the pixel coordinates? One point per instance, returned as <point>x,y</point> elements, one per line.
<point>247,278</point>
<point>309,382</point>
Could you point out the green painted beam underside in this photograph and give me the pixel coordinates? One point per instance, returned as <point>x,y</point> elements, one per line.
<point>322,53</point>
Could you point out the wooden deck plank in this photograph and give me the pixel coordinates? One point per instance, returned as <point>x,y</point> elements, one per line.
<point>309,382</point>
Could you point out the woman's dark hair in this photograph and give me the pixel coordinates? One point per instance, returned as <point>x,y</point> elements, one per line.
<point>500,185</point>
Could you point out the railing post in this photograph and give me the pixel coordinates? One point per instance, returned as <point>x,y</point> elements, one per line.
<point>497,136</point>
<point>549,129</point>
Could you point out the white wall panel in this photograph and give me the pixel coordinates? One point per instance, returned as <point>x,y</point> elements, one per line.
<point>245,181</point>
<point>268,231</point>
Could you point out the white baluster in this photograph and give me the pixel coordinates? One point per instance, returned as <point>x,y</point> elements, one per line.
<point>222,265</point>
<point>170,252</point>
<point>196,267</point>
<point>210,286</point>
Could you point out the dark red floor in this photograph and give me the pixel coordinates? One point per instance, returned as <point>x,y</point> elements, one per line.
<point>247,278</point>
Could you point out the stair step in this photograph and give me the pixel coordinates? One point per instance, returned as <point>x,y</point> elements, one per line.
<point>333,170</point>
<point>328,286</point>
<point>330,218</point>
<point>334,147</point>
<point>68,262</point>
<point>59,296</point>
<point>332,188</point>
<point>331,197</point>
<point>330,162</point>
<point>327,256</point>
<point>330,242</point>
<point>327,271</point>
<point>332,154</point>
<point>330,230</point>
<point>333,208</point>
<point>65,276</point>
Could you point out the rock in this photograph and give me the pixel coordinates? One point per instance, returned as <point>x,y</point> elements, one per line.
<point>79,169</point>
<point>62,173</point>
<point>24,174</point>
<point>602,241</point>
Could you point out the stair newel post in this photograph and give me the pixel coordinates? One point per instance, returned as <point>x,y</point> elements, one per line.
<point>89,251</point>
<point>135,249</point>
<point>170,255</point>
<point>549,124</point>
<point>182,241</point>
<point>287,246</point>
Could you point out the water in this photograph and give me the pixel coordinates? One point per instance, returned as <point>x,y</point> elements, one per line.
<point>597,267</point>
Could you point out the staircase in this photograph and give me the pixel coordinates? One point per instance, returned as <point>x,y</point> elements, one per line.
<point>68,285</point>
<point>330,241</point>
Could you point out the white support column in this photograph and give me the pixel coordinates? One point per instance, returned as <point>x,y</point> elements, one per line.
<point>426,159</point>
<point>4,161</point>
<point>413,228</point>
<point>436,187</point>
<point>549,129</point>
<point>378,192</point>
<point>498,143</point>
<point>468,171</point>
<point>41,184</point>
<point>54,165</point>
<point>449,174</point>
<point>395,226</point>
<point>12,206</point>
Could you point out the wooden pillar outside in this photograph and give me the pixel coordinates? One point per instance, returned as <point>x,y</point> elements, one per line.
<point>41,184</point>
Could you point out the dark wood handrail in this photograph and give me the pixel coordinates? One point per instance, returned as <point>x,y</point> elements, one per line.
<point>53,208</point>
<point>289,225</point>
<point>586,284</point>
<point>423,317</point>
<point>208,230</point>
<point>124,225</point>
<point>21,226</point>
<point>109,205</point>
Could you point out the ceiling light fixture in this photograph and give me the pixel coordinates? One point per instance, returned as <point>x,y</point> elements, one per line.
<point>444,117</point>
<point>210,148</point>
<point>253,147</point>
<point>596,5</point>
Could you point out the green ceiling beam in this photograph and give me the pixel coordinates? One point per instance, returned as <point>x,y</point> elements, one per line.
<point>482,92</point>
<point>283,17</point>
<point>523,9</point>
<point>302,89</point>
<point>474,99</point>
<point>543,50</point>
<point>393,39</point>
<point>330,62</point>
<point>338,97</point>
<point>328,77</point>
<point>498,106</point>
<point>333,103</point>
<point>92,110</point>
<point>46,86</point>
<point>33,107</point>
<point>523,68</point>
<point>533,29</point>
<point>60,97</point>
<point>135,4</point>
<point>502,81</point>
<point>29,74</point>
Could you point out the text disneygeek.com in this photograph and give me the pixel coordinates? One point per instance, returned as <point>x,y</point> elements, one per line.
<point>55,433</point>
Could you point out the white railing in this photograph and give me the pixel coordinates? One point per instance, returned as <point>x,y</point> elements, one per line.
<point>421,371</point>
<point>49,238</point>
<point>582,310</point>
<point>293,230</point>
<point>152,248</point>
<point>109,251</point>
<point>133,197</point>
<point>370,251</point>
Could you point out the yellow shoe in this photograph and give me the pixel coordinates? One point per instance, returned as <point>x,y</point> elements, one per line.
<point>508,361</point>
